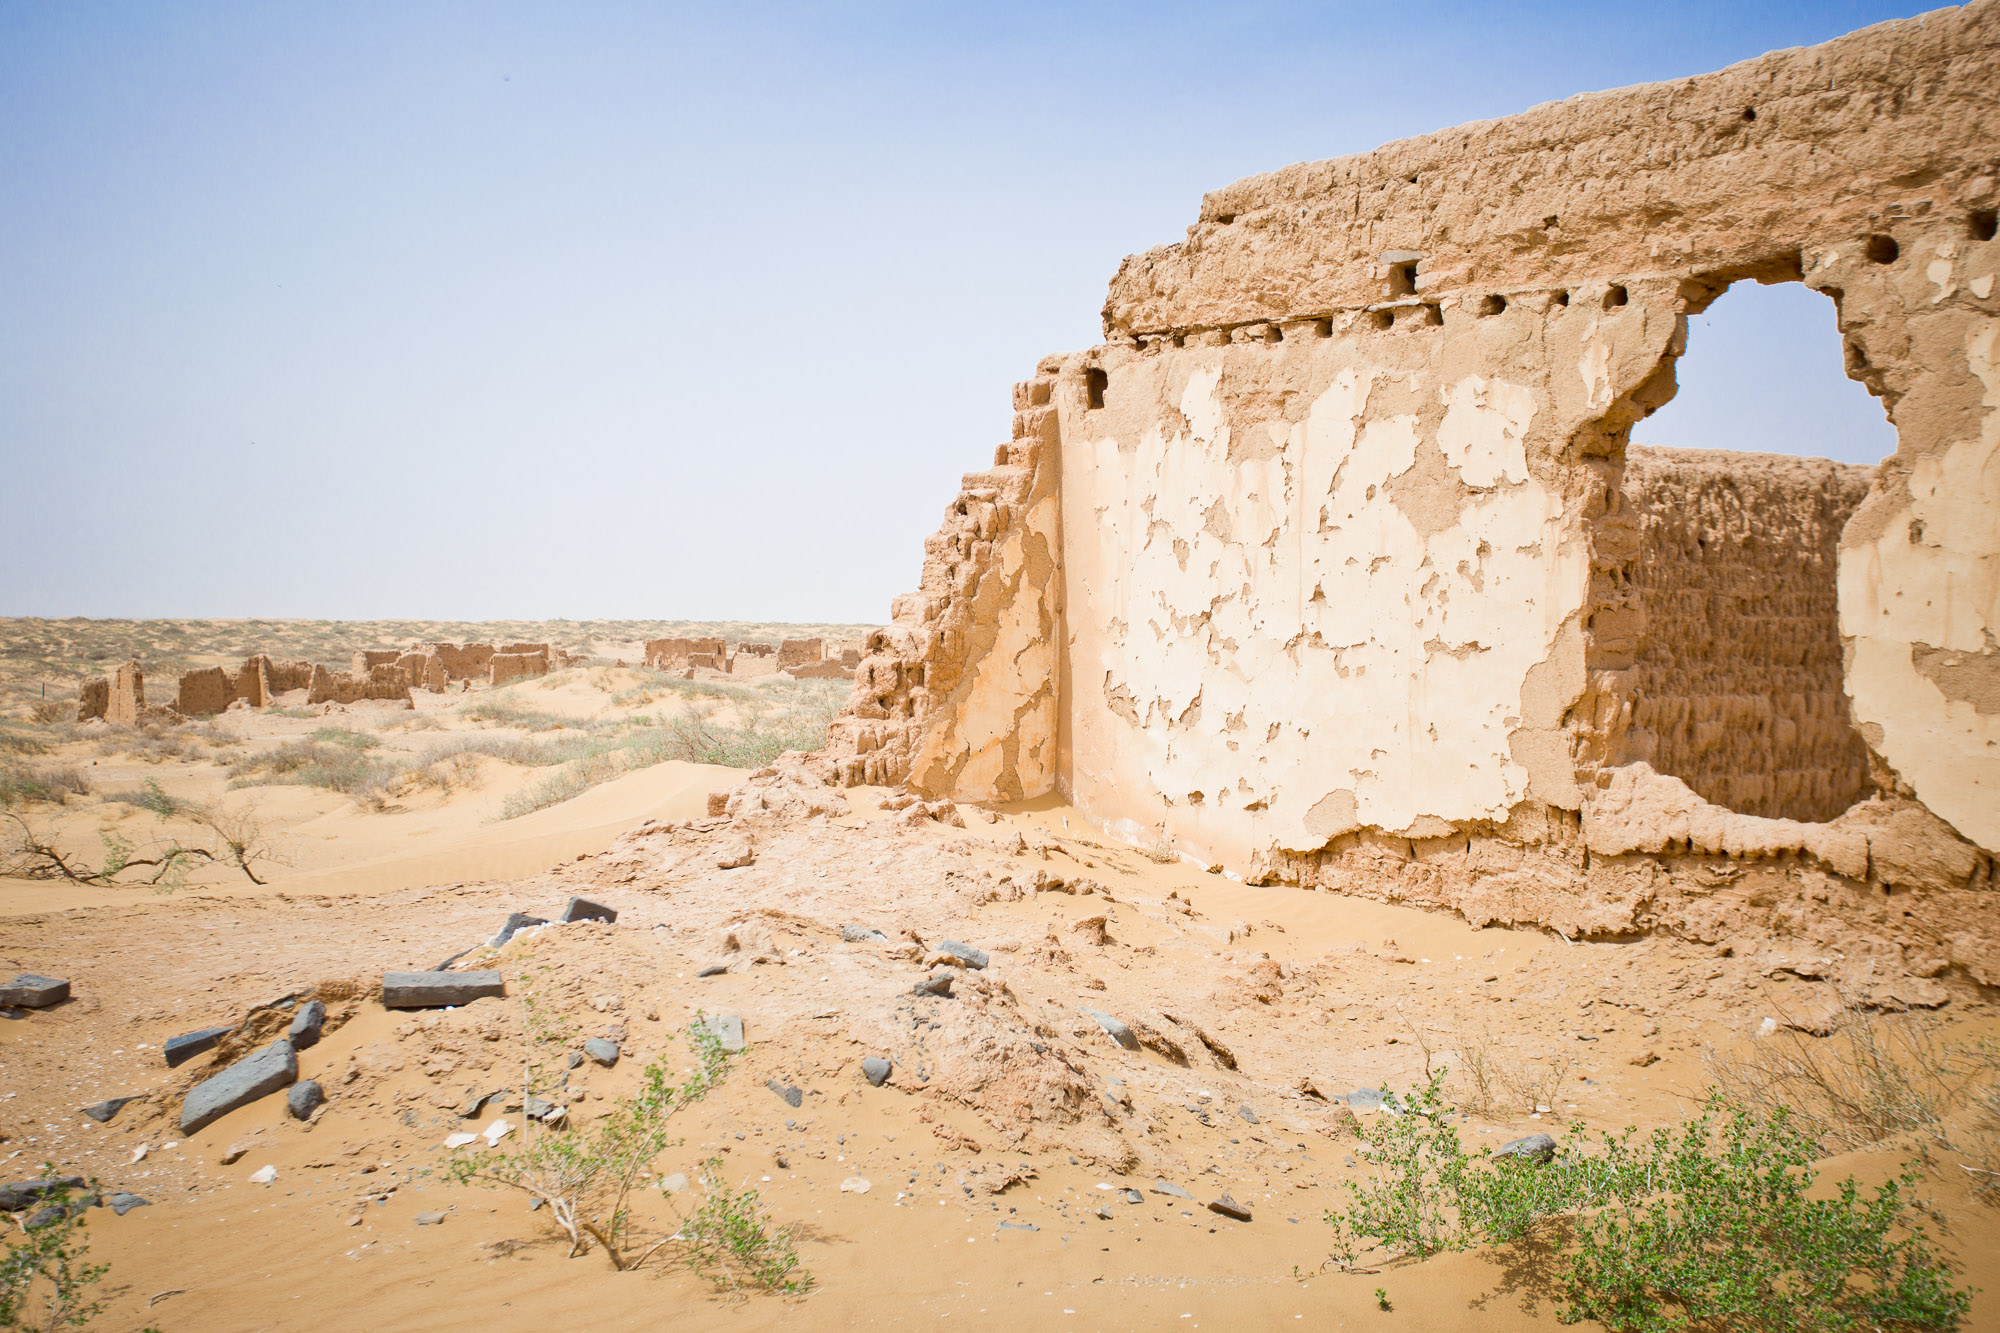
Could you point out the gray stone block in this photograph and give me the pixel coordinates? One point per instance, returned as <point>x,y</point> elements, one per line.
<point>15,1197</point>
<point>938,983</point>
<point>583,909</point>
<point>789,1093</point>
<point>33,991</point>
<point>179,1050</point>
<point>1117,1029</point>
<point>1534,1148</point>
<point>514,924</point>
<point>304,1099</point>
<point>603,1050</point>
<point>123,1202</point>
<point>862,935</point>
<point>875,1069</point>
<point>306,1026</point>
<point>250,1079</point>
<point>725,1028</point>
<point>437,990</point>
<point>964,953</point>
<point>104,1110</point>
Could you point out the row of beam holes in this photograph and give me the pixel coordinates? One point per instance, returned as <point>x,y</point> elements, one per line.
<point>1981,225</point>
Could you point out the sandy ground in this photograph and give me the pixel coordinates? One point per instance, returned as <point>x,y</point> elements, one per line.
<point>994,1155</point>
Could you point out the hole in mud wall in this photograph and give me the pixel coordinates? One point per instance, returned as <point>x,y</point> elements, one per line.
<point>1616,297</point>
<point>1983,224</point>
<point>1882,249</point>
<point>1560,298</point>
<point>1381,319</point>
<point>1733,662</point>
<point>1492,305</point>
<point>1402,280</point>
<point>1095,382</point>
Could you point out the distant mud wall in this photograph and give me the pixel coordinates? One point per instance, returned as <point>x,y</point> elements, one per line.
<point>1735,685</point>
<point>1332,564</point>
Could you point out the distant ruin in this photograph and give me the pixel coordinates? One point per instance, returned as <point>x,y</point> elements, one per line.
<point>801,659</point>
<point>1332,564</point>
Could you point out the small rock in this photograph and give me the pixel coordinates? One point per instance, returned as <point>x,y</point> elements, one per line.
<point>713,970</point>
<point>122,1203</point>
<point>602,1051</point>
<point>104,1110</point>
<point>965,953</point>
<point>735,855</point>
<point>1645,1058</point>
<point>1228,1207</point>
<point>1019,1226</point>
<point>249,1079</point>
<point>438,990</point>
<point>33,991</point>
<point>573,1059</point>
<point>1169,1188</point>
<point>459,1140</point>
<point>1115,1028</point>
<point>179,1050</point>
<point>875,1069</point>
<point>542,1109</point>
<point>429,1219</point>
<point>495,1132</point>
<point>1370,1099</point>
<point>725,1028</point>
<point>1131,1196</point>
<point>1247,1114</point>
<point>675,1184</point>
<point>583,909</point>
<point>855,1185</point>
<point>515,923</point>
<point>306,1026</point>
<point>1767,1027</point>
<point>862,935</point>
<point>15,1197</point>
<point>787,1092</point>
<point>263,1175</point>
<point>1534,1148</point>
<point>478,1106</point>
<point>938,983</point>
<point>304,1098</point>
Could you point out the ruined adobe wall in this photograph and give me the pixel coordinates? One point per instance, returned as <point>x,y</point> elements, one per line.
<point>1325,567</point>
<point>1735,683</point>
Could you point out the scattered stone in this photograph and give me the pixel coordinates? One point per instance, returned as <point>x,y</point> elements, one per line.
<point>542,1109</point>
<point>787,1092</point>
<point>713,970</point>
<point>1534,1148</point>
<point>675,1184</point>
<point>1372,1099</point>
<point>1131,1196</point>
<point>179,1050</point>
<point>122,1203</point>
<point>725,1028</point>
<point>15,1197</point>
<point>430,1219</point>
<point>1169,1188</point>
<point>736,855</point>
<point>304,1098</point>
<point>249,1079</point>
<point>1114,1028</point>
<point>460,1139</point>
<point>263,1175</point>
<point>875,1069</point>
<point>1019,1226</point>
<point>573,1059</point>
<point>938,983</point>
<point>438,990</point>
<point>583,909</point>
<point>515,923</point>
<point>965,953</point>
<point>602,1050</point>
<point>855,1185</point>
<point>478,1106</point>
<point>862,935</point>
<point>1247,1114</point>
<point>307,1024</point>
<point>104,1110</point>
<point>1645,1058</point>
<point>1228,1207</point>
<point>32,991</point>
<point>495,1132</point>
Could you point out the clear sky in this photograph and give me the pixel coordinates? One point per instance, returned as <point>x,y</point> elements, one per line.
<point>583,310</point>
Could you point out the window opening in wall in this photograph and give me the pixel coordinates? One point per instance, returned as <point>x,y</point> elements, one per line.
<point>1095,382</point>
<point>1984,224</point>
<point>1740,487</point>
<point>1402,280</point>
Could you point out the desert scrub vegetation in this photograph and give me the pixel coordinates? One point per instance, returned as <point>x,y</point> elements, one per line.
<point>1710,1224</point>
<point>332,757</point>
<point>46,1277</point>
<point>53,783</point>
<point>192,836</point>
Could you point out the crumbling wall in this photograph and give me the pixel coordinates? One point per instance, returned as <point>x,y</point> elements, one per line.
<point>127,701</point>
<point>205,691</point>
<point>798,652</point>
<point>253,683</point>
<point>461,661</point>
<point>383,681</point>
<point>504,668</point>
<point>369,658</point>
<point>673,654</point>
<point>93,698</point>
<point>1735,682</point>
<point>424,671</point>
<point>1331,564</point>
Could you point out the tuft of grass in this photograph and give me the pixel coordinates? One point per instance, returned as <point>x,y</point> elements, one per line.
<point>54,784</point>
<point>337,766</point>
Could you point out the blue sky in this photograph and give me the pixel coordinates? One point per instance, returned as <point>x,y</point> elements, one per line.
<point>658,311</point>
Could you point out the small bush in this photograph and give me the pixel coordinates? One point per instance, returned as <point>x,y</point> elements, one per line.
<point>337,767</point>
<point>1708,1225</point>
<point>45,1277</point>
<point>54,784</point>
<point>728,1243</point>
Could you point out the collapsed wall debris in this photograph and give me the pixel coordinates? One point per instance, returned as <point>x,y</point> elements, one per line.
<point>375,673</point>
<point>1333,564</point>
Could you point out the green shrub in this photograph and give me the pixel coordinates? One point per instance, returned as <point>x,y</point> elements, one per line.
<point>1707,1224</point>
<point>728,1243</point>
<point>45,1277</point>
